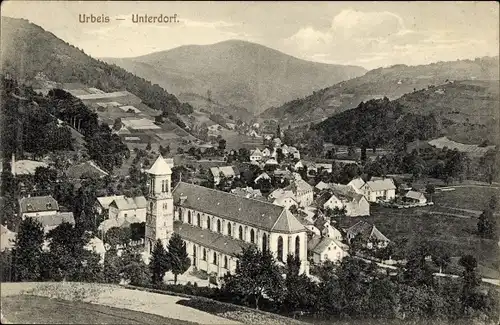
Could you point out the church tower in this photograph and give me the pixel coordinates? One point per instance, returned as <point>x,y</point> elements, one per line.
<point>160,209</point>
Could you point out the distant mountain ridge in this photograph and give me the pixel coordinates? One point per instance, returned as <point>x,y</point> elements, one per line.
<point>236,73</point>
<point>392,82</point>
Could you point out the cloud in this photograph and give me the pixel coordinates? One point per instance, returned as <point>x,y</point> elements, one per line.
<point>374,39</point>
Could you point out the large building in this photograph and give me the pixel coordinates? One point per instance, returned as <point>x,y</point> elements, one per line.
<point>216,225</point>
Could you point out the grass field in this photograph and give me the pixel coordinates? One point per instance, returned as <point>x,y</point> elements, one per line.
<point>470,197</point>
<point>41,310</point>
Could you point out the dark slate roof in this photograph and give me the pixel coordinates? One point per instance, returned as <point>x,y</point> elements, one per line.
<point>209,239</point>
<point>38,204</point>
<point>55,219</point>
<point>367,231</point>
<point>88,168</point>
<point>229,206</point>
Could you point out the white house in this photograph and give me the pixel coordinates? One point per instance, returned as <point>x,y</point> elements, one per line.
<point>271,162</point>
<point>417,197</point>
<point>323,249</point>
<point>37,206</point>
<point>125,207</point>
<point>370,235</point>
<point>286,201</point>
<point>256,155</point>
<point>344,197</point>
<point>264,175</point>
<point>379,190</point>
<point>298,165</point>
<point>277,142</point>
<point>266,152</point>
<point>103,202</point>
<point>227,172</point>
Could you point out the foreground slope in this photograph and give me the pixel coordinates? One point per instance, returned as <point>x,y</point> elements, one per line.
<point>392,82</point>
<point>237,73</point>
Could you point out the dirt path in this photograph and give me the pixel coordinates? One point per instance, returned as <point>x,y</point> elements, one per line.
<point>114,296</point>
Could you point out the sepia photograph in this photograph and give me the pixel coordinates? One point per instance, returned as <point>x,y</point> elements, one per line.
<point>250,162</point>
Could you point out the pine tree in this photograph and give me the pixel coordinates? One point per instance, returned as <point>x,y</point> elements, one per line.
<point>27,252</point>
<point>160,263</point>
<point>178,256</point>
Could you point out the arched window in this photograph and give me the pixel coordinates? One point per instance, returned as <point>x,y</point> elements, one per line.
<point>280,248</point>
<point>194,251</point>
<point>225,262</point>
<point>180,214</point>
<point>237,264</point>
<point>297,246</point>
<point>215,258</point>
<point>198,220</point>
<point>163,186</point>
<point>151,206</point>
<point>264,242</point>
<point>252,236</point>
<point>218,225</point>
<point>189,217</point>
<point>151,246</point>
<point>240,233</point>
<point>229,230</point>
<point>208,223</point>
<point>204,254</point>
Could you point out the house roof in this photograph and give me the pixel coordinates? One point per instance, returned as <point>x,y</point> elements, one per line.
<point>264,175</point>
<point>27,167</point>
<point>281,193</point>
<point>160,167</point>
<point>248,211</point>
<point>226,171</point>
<point>55,219</point>
<point>279,201</point>
<point>88,168</point>
<point>381,184</point>
<point>345,192</point>
<point>322,199</point>
<point>130,203</point>
<point>367,231</point>
<point>38,204</point>
<point>105,201</point>
<point>320,222</point>
<point>322,186</point>
<point>320,244</point>
<point>247,192</point>
<point>271,161</point>
<point>357,183</point>
<point>415,195</point>
<point>210,239</point>
<point>256,152</point>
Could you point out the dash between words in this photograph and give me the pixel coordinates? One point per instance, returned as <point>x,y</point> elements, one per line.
<point>135,18</point>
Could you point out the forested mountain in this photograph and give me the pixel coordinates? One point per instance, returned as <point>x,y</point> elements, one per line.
<point>392,82</point>
<point>28,49</point>
<point>236,73</point>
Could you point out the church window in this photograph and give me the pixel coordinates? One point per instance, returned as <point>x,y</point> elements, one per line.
<point>215,258</point>
<point>225,262</point>
<point>264,242</point>
<point>189,217</point>
<point>198,220</point>
<point>280,248</point>
<point>208,223</point>
<point>229,229</point>
<point>252,236</point>
<point>179,215</point>
<point>163,186</point>
<point>151,206</point>
<point>218,226</point>
<point>297,246</point>
<point>240,233</point>
<point>204,254</point>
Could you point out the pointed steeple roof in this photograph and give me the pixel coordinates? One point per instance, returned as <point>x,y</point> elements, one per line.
<point>288,223</point>
<point>160,167</point>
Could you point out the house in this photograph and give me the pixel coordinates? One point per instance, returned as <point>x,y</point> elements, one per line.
<point>227,172</point>
<point>357,184</point>
<point>283,174</point>
<point>298,165</point>
<point>339,196</point>
<point>299,190</point>
<point>286,201</point>
<point>266,152</point>
<point>256,155</point>
<point>326,229</point>
<point>50,222</point>
<point>294,152</point>
<point>324,167</point>
<point>96,245</point>
<point>102,203</point>
<point>253,134</point>
<point>36,206</point>
<point>231,126</point>
<point>369,234</point>
<point>214,128</point>
<point>323,249</point>
<point>416,197</point>
<point>124,207</point>
<point>284,150</point>
<point>271,162</point>
<point>262,176</point>
<point>277,142</point>
<point>25,167</point>
<point>88,169</point>
<point>321,186</point>
<point>379,190</point>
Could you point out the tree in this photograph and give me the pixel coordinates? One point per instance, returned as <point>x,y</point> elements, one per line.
<point>160,263</point>
<point>470,282</point>
<point>222,145</point>
<point>417,272</point>
<point>178,256</point>
<point>112,266</point>
<point>257,275</point>
<point>280,156</point>
<point>27,251</point>
<point>486,225</point>
<point>300,291</point>
<point>148,146</point>
<point>441,258</point>
<point>134,270</point>
<point>117,125</point>
<point>430,189</point>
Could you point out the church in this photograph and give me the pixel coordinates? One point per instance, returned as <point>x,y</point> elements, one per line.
<point>217,225</point>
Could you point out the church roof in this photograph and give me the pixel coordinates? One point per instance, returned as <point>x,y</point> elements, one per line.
<point>260,214</point>
<point>209,239</point>
<point>160,167</point>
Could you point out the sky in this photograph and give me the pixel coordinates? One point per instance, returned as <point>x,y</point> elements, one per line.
<point>368,34</point>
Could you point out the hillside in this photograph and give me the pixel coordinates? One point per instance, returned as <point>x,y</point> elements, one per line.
<point>199,102</point>
<point>236,73</point>
<point>28,50</point>
<point>392,82</point>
